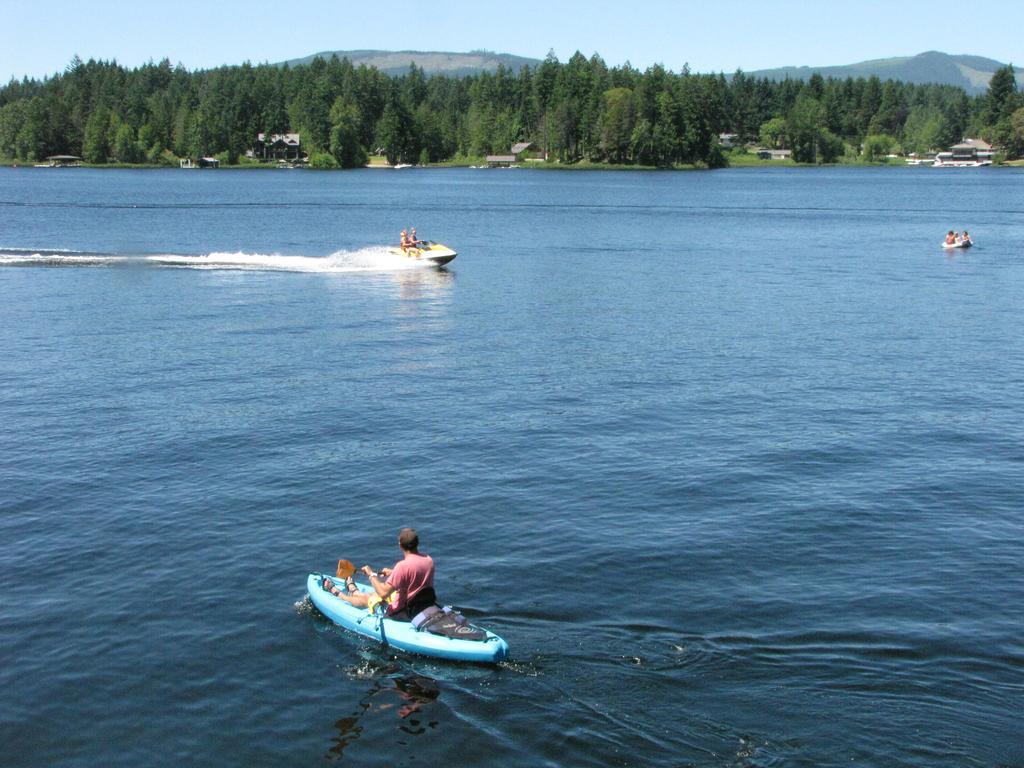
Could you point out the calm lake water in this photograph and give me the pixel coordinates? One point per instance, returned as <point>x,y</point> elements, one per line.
<point>733,460</point>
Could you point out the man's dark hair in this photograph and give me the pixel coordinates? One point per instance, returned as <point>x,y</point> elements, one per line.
<point>408,539</point>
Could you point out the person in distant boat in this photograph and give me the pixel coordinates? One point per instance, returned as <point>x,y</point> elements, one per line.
<point>950,237</point>
<point>406,589</point>
<point>404,242</point>
<point>965,239</point>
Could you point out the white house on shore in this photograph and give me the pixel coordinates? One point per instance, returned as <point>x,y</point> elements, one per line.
<point>969,153</point>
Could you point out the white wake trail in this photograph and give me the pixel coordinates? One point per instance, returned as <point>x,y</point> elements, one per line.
<point>369,259</point>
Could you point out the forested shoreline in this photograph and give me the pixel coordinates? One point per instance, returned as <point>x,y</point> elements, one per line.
<point>579,111</point>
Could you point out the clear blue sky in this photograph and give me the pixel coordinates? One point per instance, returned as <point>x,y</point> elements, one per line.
<point>39,38</point>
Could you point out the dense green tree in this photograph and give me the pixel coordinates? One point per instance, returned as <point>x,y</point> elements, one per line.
<point>877,146</point>
<point>804,127</point>
<point>30,142</point>
<point>394,133</point>
<point>642,143</point>
<point>1014,138</point>
<point>11,120</point>
<point>999,101</point>
<point>830,146</point>
<point>345,144</point>
<point>323,161</point>
<point>924,130</point>
<point>617,124</point>
<point>869,102</point>
<point>96,145</point>
<point>665,136</point>
<point>124,148</point>
<point>773,133</point>
<point>892,111</point>
<point>746,115</point>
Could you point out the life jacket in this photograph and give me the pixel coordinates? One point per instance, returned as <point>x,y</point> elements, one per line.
<point>420,601</point>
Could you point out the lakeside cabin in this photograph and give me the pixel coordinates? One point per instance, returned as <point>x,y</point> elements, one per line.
<point>527,150</point>
<point>520,151</point>
<point>969,153</point>
<point>278,146</point>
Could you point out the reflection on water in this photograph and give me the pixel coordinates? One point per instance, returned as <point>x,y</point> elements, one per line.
<point>432,283</point>
<point>408,697</point>
<point>424,298</point>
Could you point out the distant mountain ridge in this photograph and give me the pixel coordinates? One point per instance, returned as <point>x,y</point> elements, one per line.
<point>431,62</point>
<point>972,73</point>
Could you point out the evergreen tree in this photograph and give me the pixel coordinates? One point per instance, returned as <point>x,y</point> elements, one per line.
<point>346,147</point>
<point>617,123</point>
<point>393,133</point>
<point>999,99</point>
<point>123,147</point>
<point>804,127</point>
<point>1013,140</point>
<point>579,110</point>
<point>96,145</point>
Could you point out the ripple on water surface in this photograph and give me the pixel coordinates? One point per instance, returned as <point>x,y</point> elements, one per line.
<point>751,499</point>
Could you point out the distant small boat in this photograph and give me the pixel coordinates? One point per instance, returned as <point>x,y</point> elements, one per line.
<point>61,161</point>
<point>402,165</point>
<point>962,244</point>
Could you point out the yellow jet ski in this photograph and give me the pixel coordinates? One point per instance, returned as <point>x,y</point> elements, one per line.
<point>435,253</point>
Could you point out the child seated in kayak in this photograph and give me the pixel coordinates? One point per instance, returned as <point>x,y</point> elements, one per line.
<point>352,594</point>
<point>965,239</point>
<point>950,237</point>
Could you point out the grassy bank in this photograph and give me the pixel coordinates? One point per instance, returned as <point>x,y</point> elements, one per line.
<point>26,164</point>
<point>749,160</point>
<point>586,165</point>
<point>460,161</point>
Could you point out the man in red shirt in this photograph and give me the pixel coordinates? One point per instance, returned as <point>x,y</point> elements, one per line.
<point>407,588</point>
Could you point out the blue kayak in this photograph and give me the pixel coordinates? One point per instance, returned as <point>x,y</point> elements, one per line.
<point>401,634</point>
